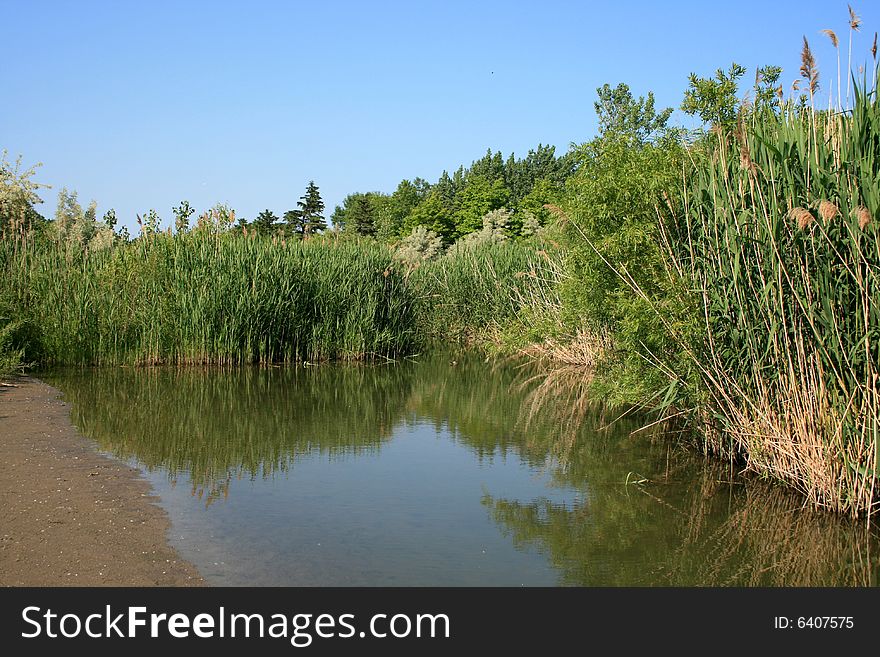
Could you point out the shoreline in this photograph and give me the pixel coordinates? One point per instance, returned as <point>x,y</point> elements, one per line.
<point>71,515</point>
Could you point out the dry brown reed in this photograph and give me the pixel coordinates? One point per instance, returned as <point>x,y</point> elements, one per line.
<point>831,35</point>
<point>828,211</point>
<point>809,70</point>
<point>803,217</point>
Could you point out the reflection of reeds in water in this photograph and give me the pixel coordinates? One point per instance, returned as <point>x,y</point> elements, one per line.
<point>216,425</point>
<point>683,525</point>
<point>562,394</point>
<point>707,534</point>
<point>561,397</point>
<point>769,538</point>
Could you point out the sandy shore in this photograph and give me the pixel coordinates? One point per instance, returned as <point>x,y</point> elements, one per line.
<point>72,516</point>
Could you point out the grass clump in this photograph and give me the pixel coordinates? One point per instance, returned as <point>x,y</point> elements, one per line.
<point>197,298</point>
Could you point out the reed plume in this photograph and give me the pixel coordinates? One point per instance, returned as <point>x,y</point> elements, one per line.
<point>803,217</point>
<point>827,210</point>
<point>809,71</point>
<point>855,22</point>
<point>836,43</point>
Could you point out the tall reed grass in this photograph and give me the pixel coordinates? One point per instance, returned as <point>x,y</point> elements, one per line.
<point>227,298</point>
<point>477,291</point>
<point>201,298</point>
<point>777,235</point>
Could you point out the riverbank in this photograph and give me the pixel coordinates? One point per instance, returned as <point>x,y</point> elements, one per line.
<point>72,516</point>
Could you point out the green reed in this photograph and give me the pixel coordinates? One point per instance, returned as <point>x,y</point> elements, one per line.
<point>209,298</point>
<point>777,236</point>
<point>228,298</point>
<point>476,291</point>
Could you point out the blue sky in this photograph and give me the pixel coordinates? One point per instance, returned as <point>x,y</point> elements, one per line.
<point>141,105</point>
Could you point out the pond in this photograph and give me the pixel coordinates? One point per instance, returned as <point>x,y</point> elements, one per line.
<point>444,471</point>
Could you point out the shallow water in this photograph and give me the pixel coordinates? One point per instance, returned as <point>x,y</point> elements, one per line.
<point>443,471</point>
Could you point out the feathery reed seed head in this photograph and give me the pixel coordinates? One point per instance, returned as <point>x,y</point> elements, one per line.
<point>827,210</point>
<point>803,217</point>
<point>855,21</point>
<point>831,35</point>
<point>556,211</point>
<point>809,71</point>
<point>864,216</point>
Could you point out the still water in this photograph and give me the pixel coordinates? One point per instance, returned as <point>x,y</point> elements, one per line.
<point>443,471</point>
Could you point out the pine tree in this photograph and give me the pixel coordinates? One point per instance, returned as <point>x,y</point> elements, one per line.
<point>295,223</point>
<point>307,217</point>
<point>311,206</point>
<point>360,218</point>
<point>264,224</point>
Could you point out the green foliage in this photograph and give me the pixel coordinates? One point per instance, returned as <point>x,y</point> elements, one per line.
<point>544,191</point>
<point>779,241</point>
<point>182,213</point>
<point>400,204</point>
<point>110,219</point>
<point>211,296</point>
<point>472,293</point>
<point>337,219</point>
<point>620,114</point>
<point>478,196</point>
<point>540,166</point>
<point>18,196</point>
<point>208,297</point>
<point>496,228</point>
<point>432,214</point>
<point>360,219</point>
<point>306,219</point>
<point>715,100</point>
<point>456,204</point>
<point>610,228</point>
<point>768,91</point>
<point>80,228</point>
<point>420,245</point>
<point>311,206</point>
<point>11,355</point>
<point>266,223</point>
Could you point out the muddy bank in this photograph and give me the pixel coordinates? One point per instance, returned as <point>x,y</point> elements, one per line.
<point>71,516</point>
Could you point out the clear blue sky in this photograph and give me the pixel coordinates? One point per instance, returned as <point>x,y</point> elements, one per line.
<point>140,105</point>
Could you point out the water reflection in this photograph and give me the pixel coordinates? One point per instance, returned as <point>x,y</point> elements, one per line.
<point>444,471</point>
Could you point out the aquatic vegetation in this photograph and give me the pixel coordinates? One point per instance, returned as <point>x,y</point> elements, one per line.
<point>205,297</point>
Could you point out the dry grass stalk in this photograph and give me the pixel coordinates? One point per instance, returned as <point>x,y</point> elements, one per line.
<point>791,431</point>
<point>584,349</point>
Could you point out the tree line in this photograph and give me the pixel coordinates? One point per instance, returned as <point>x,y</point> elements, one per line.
<point>451,208</point>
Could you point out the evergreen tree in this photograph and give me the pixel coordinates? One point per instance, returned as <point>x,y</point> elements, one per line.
<point>307,218</point>
<point>360,218</point>
<point>446,191</point>
<point>311,207</point>
<point>265,222</point>
<point>338,218</point>
<point>295,223</point>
